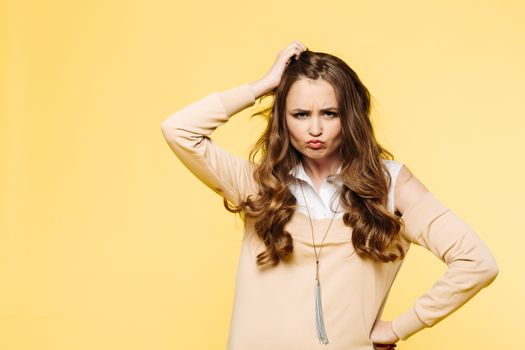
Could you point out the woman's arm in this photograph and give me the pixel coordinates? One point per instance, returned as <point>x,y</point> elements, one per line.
<point>188,130</point>
<point>430,224</point>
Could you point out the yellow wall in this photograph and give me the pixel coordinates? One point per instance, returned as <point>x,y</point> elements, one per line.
<point>108,242</point>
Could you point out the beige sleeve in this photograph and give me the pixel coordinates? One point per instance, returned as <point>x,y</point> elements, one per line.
<point>471,266</point>
<point>188,130</point>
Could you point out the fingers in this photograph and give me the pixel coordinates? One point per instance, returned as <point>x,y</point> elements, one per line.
<point>298,45</point>
<point>301,45</point>
<point>295,49</point>
<point>284,57</point>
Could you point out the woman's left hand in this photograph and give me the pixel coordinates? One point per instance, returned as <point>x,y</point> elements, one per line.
<point>383,336</point>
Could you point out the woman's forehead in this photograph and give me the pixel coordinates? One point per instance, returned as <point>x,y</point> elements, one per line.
<point>308,94</point>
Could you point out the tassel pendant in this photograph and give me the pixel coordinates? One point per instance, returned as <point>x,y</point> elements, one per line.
<point>319,322</point>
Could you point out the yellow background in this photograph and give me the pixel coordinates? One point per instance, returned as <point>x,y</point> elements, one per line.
<point>108,242</point>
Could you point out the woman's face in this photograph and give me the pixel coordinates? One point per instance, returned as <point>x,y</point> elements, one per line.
<point>312,114</point>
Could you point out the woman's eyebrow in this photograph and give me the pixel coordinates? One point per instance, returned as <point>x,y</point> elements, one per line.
<point>306,110</point>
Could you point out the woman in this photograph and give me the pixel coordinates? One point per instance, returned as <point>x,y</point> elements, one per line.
<point>323,184</point>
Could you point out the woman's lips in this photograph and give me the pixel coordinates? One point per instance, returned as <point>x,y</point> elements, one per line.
<point>315,144</point>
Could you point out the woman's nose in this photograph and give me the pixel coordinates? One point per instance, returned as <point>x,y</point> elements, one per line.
<point>315,127</point>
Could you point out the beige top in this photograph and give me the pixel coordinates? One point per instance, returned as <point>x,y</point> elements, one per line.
<point>274,307</point>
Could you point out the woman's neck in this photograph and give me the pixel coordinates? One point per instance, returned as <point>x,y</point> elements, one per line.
<point>319,169</point>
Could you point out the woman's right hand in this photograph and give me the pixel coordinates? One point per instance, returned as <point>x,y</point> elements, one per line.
<point>272,79</point>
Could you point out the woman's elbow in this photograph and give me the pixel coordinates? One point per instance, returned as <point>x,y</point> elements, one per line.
<point>166,125</point>
<point>172,132</point>
<point>491,271</point>
<point>170,123</point>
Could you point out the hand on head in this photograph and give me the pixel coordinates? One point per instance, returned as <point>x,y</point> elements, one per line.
<point>284,57</point>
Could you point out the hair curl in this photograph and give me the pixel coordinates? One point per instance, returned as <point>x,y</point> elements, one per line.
<point>365,177</point>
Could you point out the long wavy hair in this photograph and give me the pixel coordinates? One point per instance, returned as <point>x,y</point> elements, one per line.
<point>365,176</point>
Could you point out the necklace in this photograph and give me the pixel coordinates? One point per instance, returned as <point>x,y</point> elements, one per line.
<point>319,321</point>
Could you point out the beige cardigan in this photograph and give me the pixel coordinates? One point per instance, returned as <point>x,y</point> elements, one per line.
<point>274,307</point>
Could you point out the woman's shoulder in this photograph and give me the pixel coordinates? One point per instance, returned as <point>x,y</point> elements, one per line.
<point>394,168</point>
<point>393,163</point>
<point>408,188</point>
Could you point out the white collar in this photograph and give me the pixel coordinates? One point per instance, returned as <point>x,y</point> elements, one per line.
<point>299,172</point>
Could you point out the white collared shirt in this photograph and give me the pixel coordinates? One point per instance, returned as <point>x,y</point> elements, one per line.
<point>323,203</point>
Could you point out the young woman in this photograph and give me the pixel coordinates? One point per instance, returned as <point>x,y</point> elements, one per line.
<point>323,185</point>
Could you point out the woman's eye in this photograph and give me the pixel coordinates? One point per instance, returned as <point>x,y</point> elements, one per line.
<point>331,114</point>
<point>299,114</point>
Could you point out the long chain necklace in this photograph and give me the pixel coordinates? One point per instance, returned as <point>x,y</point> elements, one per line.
<point>319,321</point>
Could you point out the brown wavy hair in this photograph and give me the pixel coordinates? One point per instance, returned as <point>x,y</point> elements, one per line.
<point>365,176</point>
